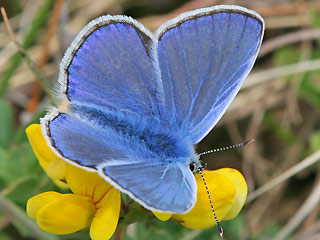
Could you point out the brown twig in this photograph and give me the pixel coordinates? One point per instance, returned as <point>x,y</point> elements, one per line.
<point>287,39</point>
<point>34,68</point>
<point>6,20</point>
<point>311,202</point>
<point>35,94</point>
<point>286,175</point>
<point>287,9</point>
<point>267,11</point>
<point>275,73</point>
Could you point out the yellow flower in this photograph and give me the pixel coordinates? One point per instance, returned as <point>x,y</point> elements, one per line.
<point>95,203</point>
<point>54,166</point>
<point>228,191</point>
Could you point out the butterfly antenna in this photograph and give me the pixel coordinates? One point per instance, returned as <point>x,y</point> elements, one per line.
<point>214,213</point>
<point>227,148</point>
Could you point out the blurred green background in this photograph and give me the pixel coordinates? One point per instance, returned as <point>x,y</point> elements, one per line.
<point>279,106</point>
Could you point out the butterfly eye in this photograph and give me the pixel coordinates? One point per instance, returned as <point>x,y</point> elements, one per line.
<point>192,166</point>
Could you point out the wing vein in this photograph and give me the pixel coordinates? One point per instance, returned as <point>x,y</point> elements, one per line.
<point>171,84</point>
<point>130,97</point>
<point>186,62</point>
<point>139,70</point>
<point>202,80</point>
<point>199,50</point>
<point>237,47</point>
<point>199,67</point>
<point>219,95</point>
<point>231,78</point>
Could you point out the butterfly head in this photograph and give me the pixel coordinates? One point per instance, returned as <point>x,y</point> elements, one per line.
<point>195,164</point>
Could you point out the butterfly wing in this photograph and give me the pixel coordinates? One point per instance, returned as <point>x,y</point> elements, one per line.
<point>109,65</point>
<point>204,56</point>
<point>80,141</point>
<point>111,80</point>
<point>157,186</point>
<point>113,90</point>
<point>127,165</point>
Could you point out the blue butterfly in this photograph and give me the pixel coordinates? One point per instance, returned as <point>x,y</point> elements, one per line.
<point>133,103</point>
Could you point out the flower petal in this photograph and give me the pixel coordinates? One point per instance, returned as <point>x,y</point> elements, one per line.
<point>162,216</point>
<point>241,190</point>
<point>68,214</point>
<point>222,192</point>
<point>57,169</point>
<point>106,218</point>
<point>54,166</point>
<point>37,202</point>
<point>86,183</point>
<point>61,184</point>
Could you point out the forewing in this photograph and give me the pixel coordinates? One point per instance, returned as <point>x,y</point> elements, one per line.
<point>204,56</point>
<point>158,187</point>
<point>109,65</point>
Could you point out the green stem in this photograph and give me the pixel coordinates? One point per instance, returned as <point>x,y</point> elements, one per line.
<point>121,232</point>
<point>41,78</point>
<point>20,216</point>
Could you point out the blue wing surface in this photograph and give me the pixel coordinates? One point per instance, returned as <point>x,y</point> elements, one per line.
<point>134,126</point>
<point>109,65</point>
<point>159,187</point>
<point>89,137</point>
<point>80,142</point>
<point>123,156</point>
<point>204,56</point>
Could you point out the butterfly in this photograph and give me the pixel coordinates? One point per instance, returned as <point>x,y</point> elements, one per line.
<point>134,103</point>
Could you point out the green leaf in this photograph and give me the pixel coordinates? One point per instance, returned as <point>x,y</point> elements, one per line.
<point>20,217</point>
<point>315,141</point>
<point>148,232</point>
<point>282,132</point>
<point>31,36</point>
<point>310,89</point>
<point>286,55</point>
<point>315,18</point>
<point>20,135</point>
<point>6,124</point>
<point>4,161</point>
<point>269,232</point>
<point>3,236</point>
<point>18,162</point>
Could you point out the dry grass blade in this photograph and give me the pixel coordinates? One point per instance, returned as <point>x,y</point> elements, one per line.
<point>35,96</point>
<point>311,202</point>
<point>286,175</point>
<point>31,64</point>
<point>19,215</point>
<point>310,233</point>
<point>274,73</point>
<point>284,40</point>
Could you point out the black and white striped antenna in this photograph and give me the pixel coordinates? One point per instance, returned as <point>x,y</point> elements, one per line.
<point>227,148</point>
<point>199,170</point>
<point>214,213</point>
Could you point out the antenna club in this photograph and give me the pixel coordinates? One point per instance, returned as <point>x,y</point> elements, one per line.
<point>220,230</point>
<point>251,141</point>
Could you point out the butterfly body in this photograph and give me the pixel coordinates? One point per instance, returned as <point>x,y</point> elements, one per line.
<point>137,102</point>
<point>138,136</point>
